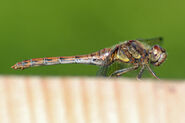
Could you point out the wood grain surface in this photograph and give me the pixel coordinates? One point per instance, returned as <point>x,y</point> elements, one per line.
<point>90,100</point>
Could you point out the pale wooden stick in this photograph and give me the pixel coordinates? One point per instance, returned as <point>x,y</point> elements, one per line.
<point>90,100</point>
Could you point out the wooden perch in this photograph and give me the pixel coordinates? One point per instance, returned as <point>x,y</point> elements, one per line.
<point>90,100</point>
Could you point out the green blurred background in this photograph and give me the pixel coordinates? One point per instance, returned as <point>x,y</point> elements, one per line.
<point>42,28</point>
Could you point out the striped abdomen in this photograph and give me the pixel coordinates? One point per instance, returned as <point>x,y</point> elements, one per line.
<point>96,58</point>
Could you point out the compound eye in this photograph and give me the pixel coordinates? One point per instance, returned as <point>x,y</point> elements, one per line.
<point>158,55</point>
<point>155,53</point>
<point>156,49</point>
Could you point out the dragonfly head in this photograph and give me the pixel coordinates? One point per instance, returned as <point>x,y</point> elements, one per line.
<point>157,55</point>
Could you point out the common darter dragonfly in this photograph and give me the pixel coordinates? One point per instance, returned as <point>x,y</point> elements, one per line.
<point>136,53</point>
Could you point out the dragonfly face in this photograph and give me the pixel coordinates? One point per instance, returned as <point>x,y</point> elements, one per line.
<point>157,55</point>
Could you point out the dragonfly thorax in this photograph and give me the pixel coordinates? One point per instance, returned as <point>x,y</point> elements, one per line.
<point>132,52</point>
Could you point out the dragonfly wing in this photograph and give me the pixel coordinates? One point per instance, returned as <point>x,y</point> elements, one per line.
<point>107,62</point>
<point>104,67</point>
<point>102,71</point>
<point>109,65</point>
<point>152,41</point>
<point>108,70</point>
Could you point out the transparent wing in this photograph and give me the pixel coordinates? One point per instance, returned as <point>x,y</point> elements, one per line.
<point>152,41</point>
<point>102,71</point>
<point>108,70</point>
<point>108,66</point>
<point>104,68</point>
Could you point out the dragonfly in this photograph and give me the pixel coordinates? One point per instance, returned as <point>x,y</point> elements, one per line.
<point>139,54</point>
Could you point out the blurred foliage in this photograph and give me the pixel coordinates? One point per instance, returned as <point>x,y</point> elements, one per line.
<point>43,28</point>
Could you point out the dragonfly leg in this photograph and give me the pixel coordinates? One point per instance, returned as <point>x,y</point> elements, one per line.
<point>151,71</point>
<point>122,71</point>
<point>141,72</point>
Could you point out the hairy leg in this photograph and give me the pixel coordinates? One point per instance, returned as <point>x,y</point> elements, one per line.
<point>141,72</point>
<point>151,71</point>
<point>122,71</point>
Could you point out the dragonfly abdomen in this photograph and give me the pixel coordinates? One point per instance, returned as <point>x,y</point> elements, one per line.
<point>35,62</point>
<point>94,58</point>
